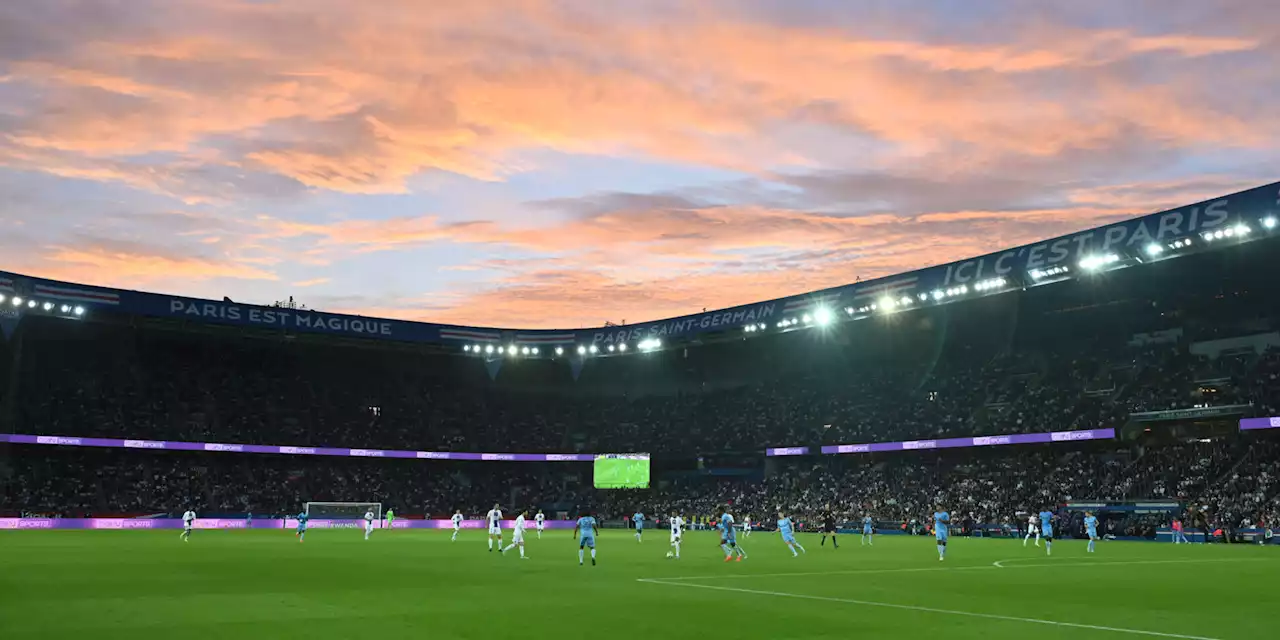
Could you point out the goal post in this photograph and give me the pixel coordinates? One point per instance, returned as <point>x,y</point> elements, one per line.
<point>343,510</point>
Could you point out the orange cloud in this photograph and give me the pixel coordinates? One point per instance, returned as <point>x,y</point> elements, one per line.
<point>363,99</point>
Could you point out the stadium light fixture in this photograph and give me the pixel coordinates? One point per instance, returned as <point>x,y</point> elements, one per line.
<point>1242,229</point>
<point>582,350</point>
<point>524,350</point>
<point>559,351</point>
<point>622,346</point>
<point>612,348</point>
<point>849,310</point>
<point>466,348</point>
<point>2,298</point>
<point>31,304</point>
<point>649,344</point>
<point>822,316</point>
<point>1269,222</point>
<point>1093,263</point>
<point>1154,249</point>
<point>886,303</point>
<point>807,318</point>
<point>534,350</point>
<point>79,311</point>
<point>593,348</point>
<point>488,348</point>
<point>17,302</point>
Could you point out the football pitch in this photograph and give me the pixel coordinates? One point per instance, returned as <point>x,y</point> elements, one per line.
<point>264,584</point>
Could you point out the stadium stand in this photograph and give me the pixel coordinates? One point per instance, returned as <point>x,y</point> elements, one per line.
<point>1101,351</point>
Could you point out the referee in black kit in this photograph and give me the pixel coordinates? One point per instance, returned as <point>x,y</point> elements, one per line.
<point>829,528</point>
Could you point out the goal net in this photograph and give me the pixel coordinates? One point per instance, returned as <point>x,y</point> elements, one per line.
<point>343,510</point>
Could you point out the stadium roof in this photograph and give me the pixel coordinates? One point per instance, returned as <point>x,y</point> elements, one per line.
<point>1217,222</point>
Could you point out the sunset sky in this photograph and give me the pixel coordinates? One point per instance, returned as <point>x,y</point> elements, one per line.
<point>543,164</point>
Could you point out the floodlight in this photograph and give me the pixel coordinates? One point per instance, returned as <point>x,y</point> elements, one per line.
<point>622,346</point>
<point>524,350</point>
<point>466,347</point>
<point>559,351</point>
<point>582,350</point>
<point>822,316</point>
<point>1269,222</point>
<point>612,348</point>
<point>534,350</point>
<point>17,302</point>
<point>593,348</point>
<point>488,348</point>
<point>1154,249</point>
<point>31,303</point>
<point>79,311</point>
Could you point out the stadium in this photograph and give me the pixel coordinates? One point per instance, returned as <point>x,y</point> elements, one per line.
<point>1129,373</point>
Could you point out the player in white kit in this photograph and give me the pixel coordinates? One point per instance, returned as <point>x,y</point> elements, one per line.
<point>537,521</point>
<point>368,524</point>
<point>746,526</point>
<point>493,520</point>
<point>188,521</point>
<point>517,536</point>
<point>457,524</point>
<point>677,526</point>
<point>1033,529</point>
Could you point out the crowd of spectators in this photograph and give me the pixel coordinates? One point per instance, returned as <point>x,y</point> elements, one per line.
<point>127,382</point>
<point>1235,477</point>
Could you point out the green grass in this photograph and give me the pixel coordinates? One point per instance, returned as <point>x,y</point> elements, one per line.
<point>263,584</point>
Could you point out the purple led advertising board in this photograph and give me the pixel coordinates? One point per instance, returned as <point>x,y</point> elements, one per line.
<point>1249,424</point>
<point>951,443</point>
<point>230,523</point>
<point>171,445</point>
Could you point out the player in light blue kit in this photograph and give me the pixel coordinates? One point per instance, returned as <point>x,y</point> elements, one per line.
<point>788,532</point>
<point>638,518</point>
<point>868,530</point>
<point>729,538</point>
<point>941,531</point>
<point>585,530</point>
<point>1091,528</point>
<point>1046,526</point>
<point>302,527</point>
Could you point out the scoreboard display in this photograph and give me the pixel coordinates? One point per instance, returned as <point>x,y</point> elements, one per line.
<point>622,471</point>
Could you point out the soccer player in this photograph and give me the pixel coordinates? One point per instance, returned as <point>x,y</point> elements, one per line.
<point>248,520</point>
<point>1091,528</point>
<point>494,519</point>
<point>941,531</point>
<point>787,530</point>
<point>746,526</point>
<point>585,531</point>
<point>638,518</point>
<point>729,538</point>
<point>517,536</point>
<point>537,521</point>
<point>1032,530</point>
<point>868,530</point>
<point>391,518</point>
<point>368,523</point>
<point>829,528</point>
<point>1046,527</point>
<point>188,521</point>
<point>457,525</point>
<point>302,527</point>
<point>677,526</point>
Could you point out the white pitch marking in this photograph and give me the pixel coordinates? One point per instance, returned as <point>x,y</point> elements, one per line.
<point>908,607</point>
<point>996,565</point>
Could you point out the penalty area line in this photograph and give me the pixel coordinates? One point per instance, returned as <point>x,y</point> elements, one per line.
<point>909,607</point>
